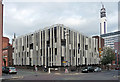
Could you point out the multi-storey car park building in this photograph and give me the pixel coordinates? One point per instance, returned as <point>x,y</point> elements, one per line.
<point>55,46</point>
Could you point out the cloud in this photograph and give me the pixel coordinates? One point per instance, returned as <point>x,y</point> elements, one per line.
<point>23,18</point>
<point>61,0</point>
<point>9,36</point>
<point>71,21</point>
<point>113,18</point>
<point>112,21</point>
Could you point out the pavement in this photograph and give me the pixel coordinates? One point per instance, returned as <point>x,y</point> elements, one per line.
<point>24,74</point>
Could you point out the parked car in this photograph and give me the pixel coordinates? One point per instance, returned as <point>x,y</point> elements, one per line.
<point>73,69</point>
<point>117,68</point>
<point>97,69</point>
<point>45,70</point>
<point>88,69</point>
<point>10,70</point>
<point>3,69</point>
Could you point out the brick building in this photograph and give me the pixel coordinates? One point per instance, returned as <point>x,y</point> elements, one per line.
<point>7,52</point>
<point>117,53</point>
<point>100,42</point>
<point>5,42</point>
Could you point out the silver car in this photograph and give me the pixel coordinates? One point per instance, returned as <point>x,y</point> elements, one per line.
<point>10,70</point>
<point>97,69</point>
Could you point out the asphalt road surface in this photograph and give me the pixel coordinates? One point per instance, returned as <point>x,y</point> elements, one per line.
<point>32,75</point>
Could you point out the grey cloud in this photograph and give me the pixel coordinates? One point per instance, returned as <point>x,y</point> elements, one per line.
<point>23,18</point>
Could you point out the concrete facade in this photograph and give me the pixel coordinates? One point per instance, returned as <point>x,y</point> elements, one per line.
<point>53,46</point>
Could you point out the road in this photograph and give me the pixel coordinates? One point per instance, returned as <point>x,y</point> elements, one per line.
<point>32,75</point>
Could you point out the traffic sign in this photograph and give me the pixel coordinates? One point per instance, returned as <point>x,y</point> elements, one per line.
<point>99,51</point>
<point>64,61</point>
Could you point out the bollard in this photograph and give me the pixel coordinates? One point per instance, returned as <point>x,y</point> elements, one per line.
<point>49,70</point>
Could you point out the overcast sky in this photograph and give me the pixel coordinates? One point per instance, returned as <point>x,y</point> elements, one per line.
<point>25,17</point>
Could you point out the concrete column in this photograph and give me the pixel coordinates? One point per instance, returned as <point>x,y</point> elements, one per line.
<point>51,45</point>
<point>1,35</point>
<point>46,48</point>
<point>77,55</point>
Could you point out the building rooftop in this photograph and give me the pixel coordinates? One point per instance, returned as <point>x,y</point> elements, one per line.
<point>55,25</point>
<point>110,34</point>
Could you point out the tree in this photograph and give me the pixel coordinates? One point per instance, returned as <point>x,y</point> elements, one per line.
<point>108,56</point>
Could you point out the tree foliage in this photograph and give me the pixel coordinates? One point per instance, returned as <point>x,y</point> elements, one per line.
<point>108,56</point>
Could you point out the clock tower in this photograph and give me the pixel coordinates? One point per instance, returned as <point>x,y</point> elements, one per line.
<point>103,21</point>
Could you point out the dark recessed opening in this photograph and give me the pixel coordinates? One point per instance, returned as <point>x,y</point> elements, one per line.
<point>63,42</point>
<point>31,46</point>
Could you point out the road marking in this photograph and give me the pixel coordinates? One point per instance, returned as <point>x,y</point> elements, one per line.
<point>68,73</point>
<point>58,73</point>
<point>17,77</point>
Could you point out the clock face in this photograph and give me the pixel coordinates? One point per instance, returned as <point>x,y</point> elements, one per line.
<point>103,15</point>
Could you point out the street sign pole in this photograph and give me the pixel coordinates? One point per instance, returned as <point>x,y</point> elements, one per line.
<point>99,46</point>
<point>1,35</point>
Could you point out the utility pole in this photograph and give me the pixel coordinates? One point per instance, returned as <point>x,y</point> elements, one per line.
<point>1,35</point>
